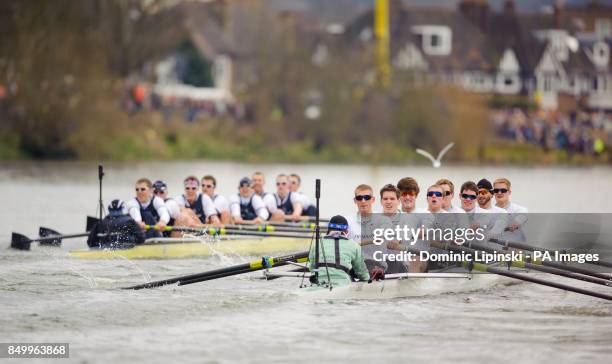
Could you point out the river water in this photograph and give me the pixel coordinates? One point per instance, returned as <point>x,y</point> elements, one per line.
<point>46,296</point>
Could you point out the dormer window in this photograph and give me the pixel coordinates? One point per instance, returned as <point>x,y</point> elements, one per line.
<point>436,39</point>
<point>603,28</point>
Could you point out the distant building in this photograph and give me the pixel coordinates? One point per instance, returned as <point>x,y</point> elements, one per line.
<point>543,56</point>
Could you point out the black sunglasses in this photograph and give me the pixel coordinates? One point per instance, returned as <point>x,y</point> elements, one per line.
<point>191,188</point>
<point>363,197</point>
<point>500,190</point>
<point>434,193</point>
<point>140,189</point>
<point>466,196</point>
<point>447,193</point>
<point>208,186</point>
<point>158,192</point>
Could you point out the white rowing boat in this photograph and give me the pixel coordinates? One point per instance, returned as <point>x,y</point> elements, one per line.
<point>408,285</point>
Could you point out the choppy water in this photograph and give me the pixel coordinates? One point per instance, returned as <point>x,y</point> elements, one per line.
<point>47,296</point>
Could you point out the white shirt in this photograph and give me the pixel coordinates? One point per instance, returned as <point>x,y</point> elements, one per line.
<point>295,198</point>
<point>221,203</point>
<point>456,210</point>
<point>304,200</point>
<point>492,220</point>
<point>517,216</point>
<point>208,205</point>
<point>258,205</point>
<point>173,208</point>
<point>133,208</point>
<point>270,202</point>
<point>356,233</point>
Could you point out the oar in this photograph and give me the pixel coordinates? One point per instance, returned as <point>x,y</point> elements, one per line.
<point>507,273</point>
<point>552,268</point>
<point>223,231</point>
<point>22,242</point>
<point>522,246</point>
<point>523,277</point>
<point>304,219</point>
<point>267,228</point>
<point>300,224</point>
<point>253,266</point>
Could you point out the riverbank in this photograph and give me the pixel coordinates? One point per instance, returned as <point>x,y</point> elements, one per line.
<point>195,142</point>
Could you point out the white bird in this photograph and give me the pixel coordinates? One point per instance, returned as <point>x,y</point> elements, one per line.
<point>437,161</point>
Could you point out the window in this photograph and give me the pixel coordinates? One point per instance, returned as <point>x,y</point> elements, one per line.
<point>603,28</point>
<point>435,40</point>
<point>508,81</point>
<point>547,83</point>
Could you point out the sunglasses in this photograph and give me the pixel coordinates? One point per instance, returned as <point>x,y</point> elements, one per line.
<point>467,196</point>
<point>447,193</point>
<point>500,190</point>
<point>434,193</point>
<point>141,189</point>
<point>363,197</point>
<point>281,183</point>
<point>409,193</point>
<point>158,192</point>
<point>208,186</point>
<point>191,188</point>
<point>483,192</point>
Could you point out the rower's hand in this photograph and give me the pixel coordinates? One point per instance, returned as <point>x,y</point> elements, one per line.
<point>394,245</point>
<point>142,225</point>
<point>257,221</point>
<point>238,221</point>
<point>295,217</point>
<point>160,226</point>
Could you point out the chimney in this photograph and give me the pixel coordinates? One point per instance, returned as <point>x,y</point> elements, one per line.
<point>558,10</point>
<point>476,11</point>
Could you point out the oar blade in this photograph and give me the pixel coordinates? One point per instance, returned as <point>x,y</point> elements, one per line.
<point>91,222</point>
<point>45,232</point>
<point>20,242</point>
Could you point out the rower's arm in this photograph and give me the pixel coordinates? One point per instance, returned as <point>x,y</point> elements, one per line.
<point>359,267</point>
<point>162,211</point>
<point>260,208</point>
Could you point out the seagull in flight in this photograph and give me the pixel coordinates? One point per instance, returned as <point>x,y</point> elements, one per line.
<point>437,161</point>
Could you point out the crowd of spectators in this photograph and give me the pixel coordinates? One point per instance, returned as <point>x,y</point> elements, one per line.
<point>577,132</point>
<point>140,97</point>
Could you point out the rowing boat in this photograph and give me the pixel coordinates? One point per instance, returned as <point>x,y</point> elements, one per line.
<point>408,285</point>
<point>189,247</point>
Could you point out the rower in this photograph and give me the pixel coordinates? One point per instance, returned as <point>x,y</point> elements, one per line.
<point>209,184</point>
<point>246,206</point>
<point>258,181</point>
<point>361,228</point>
<point>485,196</point>
<point>201,205</point>
<point>286,201</point>
<point>160,189</point>
<point>308,208</point>
<point>502,190</point>
<point>448,188</point>
<point>147,209</point>
<point>178,216</point>
<point>435,196</point>
<point>117,230</point>
<point>479,217</point>
<point>337,256</point>
<point>389,199</point>
<point>409,191</point>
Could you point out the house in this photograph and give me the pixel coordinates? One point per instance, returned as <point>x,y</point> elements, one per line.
<point>542,56</point>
